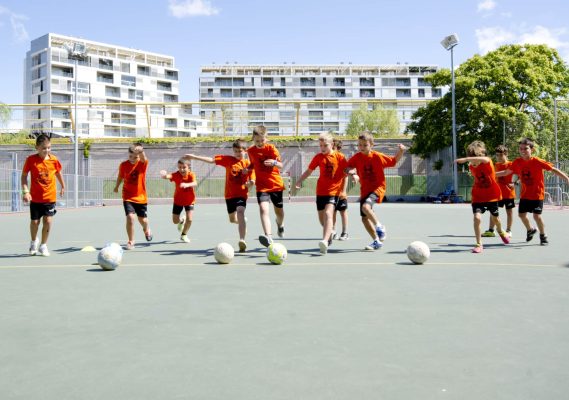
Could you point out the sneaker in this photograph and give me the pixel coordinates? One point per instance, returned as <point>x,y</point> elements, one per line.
<point>489,233</point>
<point>280,230</point>
<point>185,238</point>
<point>375,245</point>
<point>343,236</point>
<point>334,235</point>
<point>181,223</point>
<point>509,232</point>
<point>129,245</point>
<point>43,251</point>
<point>380,230</point>
<point>478,248</point>
<point>148,235</point>
<point>242,246</point>
<point>543,240</point>
<point>530,234</point>
<point>323,244</point>
<point>505,238</point>
<point>265,240</point>
<point>34,247</point>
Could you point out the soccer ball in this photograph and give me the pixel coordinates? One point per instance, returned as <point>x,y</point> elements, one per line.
<point>276,253</point>
<point>223,253</point>
<point>110,256</point>
<point>418,252</point>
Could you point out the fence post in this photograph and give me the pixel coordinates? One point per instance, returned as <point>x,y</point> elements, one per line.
<point>15,184</point>
<point>297,106</point>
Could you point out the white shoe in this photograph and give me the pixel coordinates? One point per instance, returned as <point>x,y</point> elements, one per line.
<point>185,238</point>
<point>323,244</point>
<point>34,247</point>
<point>43,251</point>
<point>242,246</point>
<point>181,223</point>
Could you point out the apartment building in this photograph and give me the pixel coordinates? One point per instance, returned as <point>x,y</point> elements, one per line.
<point>308,99</point>
<point>121,92</point>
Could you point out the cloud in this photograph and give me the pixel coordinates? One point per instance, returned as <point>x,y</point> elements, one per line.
<point>493,37</point>
<point>192,8</point>
<point>486,5</point>
<point>19,32</point>
<point>542,35</point>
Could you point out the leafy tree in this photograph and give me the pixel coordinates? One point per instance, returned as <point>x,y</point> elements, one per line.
<point>381,120</point>
<point>513,86</point>
<point>5,113</point>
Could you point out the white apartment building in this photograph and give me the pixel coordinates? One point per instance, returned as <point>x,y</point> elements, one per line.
<point>145,84</point>
<point>308,99</point>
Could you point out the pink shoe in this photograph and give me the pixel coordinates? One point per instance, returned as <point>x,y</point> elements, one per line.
<point>130,245</point>
<point>505,238</point>
<point>478,248</point>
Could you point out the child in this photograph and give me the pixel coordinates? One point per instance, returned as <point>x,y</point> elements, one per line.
<point>329,186</point>
<point>367,167</point>
<point>486,192</point>
<point>184,196</point>
<point>43,167</point>
<point>530,171</point>
<point>342,205</point>
<point>135,200</point>
<point>508,191</point>
<point>266,162</point>
<point>238,179</point>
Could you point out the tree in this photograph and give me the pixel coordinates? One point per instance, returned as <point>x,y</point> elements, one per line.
<point>513,86</point>
<point>381,120</point>
<point>5,113</point>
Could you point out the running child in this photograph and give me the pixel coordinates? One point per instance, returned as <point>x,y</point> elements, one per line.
<point>342,205</point>
<point>44,168</point>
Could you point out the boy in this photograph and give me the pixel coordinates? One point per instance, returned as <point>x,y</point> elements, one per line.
<point>43,167</point>
<point>486,192</point>
<point>508,191</point>
<point>238,179</point>
<point>329,186</point>
<point>342,205</point>
<point>135,201</point>
<point>530,171</point>
<point>367,167</point>
<point>266,162</point>
<point>184,196</point>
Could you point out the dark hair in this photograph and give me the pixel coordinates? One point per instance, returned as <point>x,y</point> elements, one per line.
<point>337,144</point>
<point>133,146</point>
<point>239,144</point>
<point>526,141</point>
<point>501,149</point>
<point>41,139</point>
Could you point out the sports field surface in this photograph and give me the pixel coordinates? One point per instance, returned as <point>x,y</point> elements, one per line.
<point>171,323</point>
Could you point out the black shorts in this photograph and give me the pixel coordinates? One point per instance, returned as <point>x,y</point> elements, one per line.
<point>176,209</point>
<point>275,197</point>
<point>321,201</point>
<point>342,204</point>
<point>532,206</point>
<point>135,208</point>
<point>235,202</point>
<point>370,199</point>
<point>508,203</point>
<point>492,208</point>
<point>39,210</point>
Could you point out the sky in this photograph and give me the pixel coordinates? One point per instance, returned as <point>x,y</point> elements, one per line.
<point>201,32</point>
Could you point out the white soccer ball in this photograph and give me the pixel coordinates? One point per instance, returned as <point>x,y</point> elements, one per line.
<point>110,256</point>
<point>276,253</point>
<point>223,253</point>
<point>418,252</point>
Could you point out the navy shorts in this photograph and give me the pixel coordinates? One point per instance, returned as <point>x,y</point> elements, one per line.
<point>176,209</point>
<point>235,202</point>
<point>492,208</point>
<point>508,203</point>
<point>39,210</point>
<point>370,199</point>
<point>342,204</point>
<point>275,197</point>
<point>532,206</point>
<point>135,208</point>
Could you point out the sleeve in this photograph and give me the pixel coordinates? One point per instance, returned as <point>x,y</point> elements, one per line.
<point>315,162</point>
<point>546,165</point>
<point>219,159</point>
<point>173,177</point>
<point>275,154</point>
<point>26,167</point>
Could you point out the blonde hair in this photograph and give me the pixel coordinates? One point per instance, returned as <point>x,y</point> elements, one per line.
<point>326,137</point>
<point>476,149</point>
<point>260,130</point>
<point>185,160</point>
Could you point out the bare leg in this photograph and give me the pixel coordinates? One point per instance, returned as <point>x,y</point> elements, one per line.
<point>540,225</point>
<point>188,222</point>
<point>34,228</point>
<point>370,227</point>
<point>326,218</point>
<point>279,212</point>
<point>509,218</point>
<point>265,220</point>
<point>476,224</point>
<point>344,216</point>
<point>46,227</point>
<point>130,227</point>
<point>525,220</point>
<point>241,222</point>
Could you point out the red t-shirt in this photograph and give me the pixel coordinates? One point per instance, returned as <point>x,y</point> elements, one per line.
<point>530,173</point>
<point>235,179</point>
<point>332,166</point>
<point>268,179</point>
<point>134,181</point>
<point>370,168</point>
<point>183,196</point>
<point>43,187</point>
<point>485,188</point>
<point>508,191</point>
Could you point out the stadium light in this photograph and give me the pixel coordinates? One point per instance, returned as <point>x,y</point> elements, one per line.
<point>449,43</point>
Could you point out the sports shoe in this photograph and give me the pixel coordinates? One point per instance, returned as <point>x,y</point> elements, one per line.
<point>509,232</point>
<point>343,236</point>
<point>280,230</point>
<point>530,234</point>
<point>129,245</point>
<point>34,247</point>
<point>334,235</point>
<point>148,235</point>
<point>505,238</point>
<point>543,240</point>
<point>489,233</point>
<point>265,240</point>
<point>181,223</point>
<point>478,248</point>
<point>43,251</point>
<point>185,238</point>
<point>375,245</point>
<point>323,244</point>
<point>380,231</point>
<point>242,246</point>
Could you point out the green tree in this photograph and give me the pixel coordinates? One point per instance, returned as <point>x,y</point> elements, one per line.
<point>381,120</point>
<point>513,86</point>
<point>5,113</point>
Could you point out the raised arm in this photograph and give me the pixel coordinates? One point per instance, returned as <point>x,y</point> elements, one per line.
<point>200,158</point>
<point>400,151</point>
<point>463,160</point>
<point>560,174</point>
<point>138,149</point>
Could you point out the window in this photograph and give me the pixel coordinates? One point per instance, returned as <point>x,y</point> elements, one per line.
<point>143,70</point>
<point>164,86</point>
<point>338,93</point>
<point>223,82</point>
<point>170,98</point>
<point>105,63</point>
<point>367,92</point>
<point>367,82</point>
<point>82,87</point>
<point>267,82</point>
<point>239,82</point>
<point>435,92</point>
<point>307,81</point>
<point>128,80</point>
<point>308,93</point>
<point>112,91</point>
<point>105,77</point>
<point>170,122</point>
<point>421,93</point>
<point>225,93</point>
<point>125,67</point>
<point>283,82</point>
<point>339,82</point>
<point>421,82</point>
<point>60,113</point>
<point>173,75</point>
<point>403,92</point>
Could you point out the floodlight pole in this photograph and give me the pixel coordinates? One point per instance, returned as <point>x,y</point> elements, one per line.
<point>75,142</point>
<point>454,150</point>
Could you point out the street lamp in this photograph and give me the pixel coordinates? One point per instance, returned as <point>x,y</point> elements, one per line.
<point>448,43</point>
<point>77,52</point>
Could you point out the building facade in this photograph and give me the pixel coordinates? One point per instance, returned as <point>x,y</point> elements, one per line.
<point>121,92</point>
<point>308,99</point>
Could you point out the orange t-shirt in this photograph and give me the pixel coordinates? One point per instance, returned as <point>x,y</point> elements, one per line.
<point>134,181</point>
<point>485,188</point>
<point>370,170</point>
<point>43,188</point>
<point>505,182</point>
<point>530,173</point>
<point>332,168</point>
<point>235,179</point>
<point>268,179</point>
<point>183,196</point>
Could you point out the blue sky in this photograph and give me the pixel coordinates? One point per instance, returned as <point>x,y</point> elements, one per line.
<point>199,32</point>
